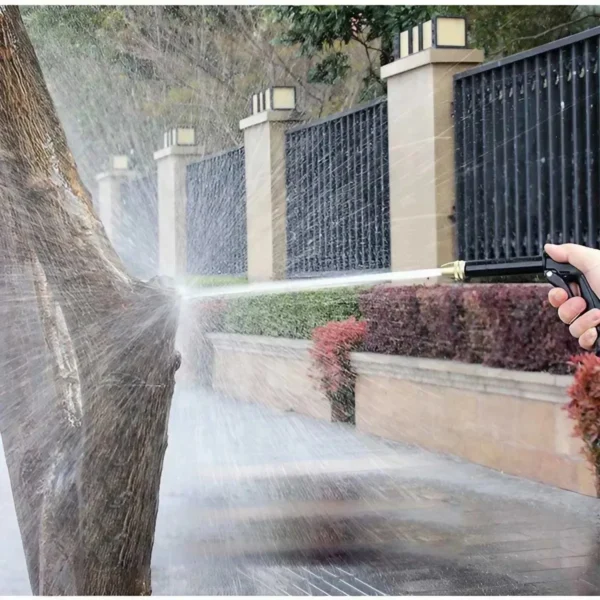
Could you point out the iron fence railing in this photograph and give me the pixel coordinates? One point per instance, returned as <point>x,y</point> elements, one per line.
<point>135,226</point>
<point>216,215</point>
<point>338,193</point>
<point>527,145</point>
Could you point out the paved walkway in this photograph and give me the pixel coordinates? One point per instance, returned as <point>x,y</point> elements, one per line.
<point>261,502</point>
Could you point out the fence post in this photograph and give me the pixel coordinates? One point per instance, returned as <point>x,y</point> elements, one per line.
<point>109,192</point>
<point>179,150</point>
<point>264,142</point>
<point>421,141</point>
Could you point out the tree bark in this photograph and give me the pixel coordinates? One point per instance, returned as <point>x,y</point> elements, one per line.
<point>87,357</point>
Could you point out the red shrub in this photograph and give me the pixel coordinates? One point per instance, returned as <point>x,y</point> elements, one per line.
<point>584,408</point>
<point>394,323</point>
<point>501,325</point>
<point>331,349</point>
<point>441,336</point>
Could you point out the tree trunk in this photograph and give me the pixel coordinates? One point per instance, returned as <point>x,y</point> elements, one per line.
<point>88,358</point>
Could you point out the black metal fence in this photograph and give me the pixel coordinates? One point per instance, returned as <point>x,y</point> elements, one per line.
<point>135,226</point>
<point>216,215</point>
<point>338,193</point>
<point>527,150</point>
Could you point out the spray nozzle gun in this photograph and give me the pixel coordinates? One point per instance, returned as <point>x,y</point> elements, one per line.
<point>560,275</point>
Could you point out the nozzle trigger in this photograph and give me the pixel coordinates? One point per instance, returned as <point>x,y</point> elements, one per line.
<point>556,280</point>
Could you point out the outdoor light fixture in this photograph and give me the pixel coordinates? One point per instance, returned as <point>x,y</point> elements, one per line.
<point>427,35</point>
<point>274,98</point>
<point>404,44</point>
<point>180,136</point>
<point>439,32</point>
<point>120,163</point>
<point>448,32</point>
<point>416,39</point>
<point>281,98</point>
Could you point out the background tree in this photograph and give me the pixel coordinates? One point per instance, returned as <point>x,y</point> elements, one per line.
<point>329,31</point>
<point>140,69</point>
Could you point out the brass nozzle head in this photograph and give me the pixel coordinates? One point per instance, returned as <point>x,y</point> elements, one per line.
<point>455,269</point>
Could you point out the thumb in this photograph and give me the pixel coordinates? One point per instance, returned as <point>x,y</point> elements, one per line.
<point>581,257</point>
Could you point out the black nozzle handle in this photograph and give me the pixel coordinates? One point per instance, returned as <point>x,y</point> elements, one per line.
<point>561,275</point>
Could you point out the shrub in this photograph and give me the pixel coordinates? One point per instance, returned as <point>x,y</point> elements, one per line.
<point>331,353</point>
<point>289,315</point>
<point>394,324</point>
<point>214,280</point>
<point>501,325</point>
<point>584,408</point>
<point>447,339</point>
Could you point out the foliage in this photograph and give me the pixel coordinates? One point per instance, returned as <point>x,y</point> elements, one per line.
<point>498,30</point>
<point>584,408</point>
<point>201,281</point>
<point>333,343</point>
<point>499,325</point>
<point>326,31</point>
<point>289,315</point>
<point>505,30</point>
<point>121,75</point>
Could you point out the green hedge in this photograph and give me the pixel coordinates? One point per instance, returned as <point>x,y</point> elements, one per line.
<point>214,280</point>
<point>290,315</point>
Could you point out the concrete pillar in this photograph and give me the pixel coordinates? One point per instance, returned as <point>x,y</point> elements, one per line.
<point>264,141</point>
<point>108,199</point>
<point>179,151</point>
<point>421,154</point>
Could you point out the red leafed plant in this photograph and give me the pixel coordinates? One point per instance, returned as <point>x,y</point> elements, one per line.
<point>332,344</point>
<point>584,408</point>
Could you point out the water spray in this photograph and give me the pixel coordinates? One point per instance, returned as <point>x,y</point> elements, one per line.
<point>560,275</point>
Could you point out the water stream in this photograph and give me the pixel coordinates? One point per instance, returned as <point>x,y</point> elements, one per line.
<point>308,285</point>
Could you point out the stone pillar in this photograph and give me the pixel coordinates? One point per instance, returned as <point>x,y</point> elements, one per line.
<point>109,192</point>
<point>179,151</point>
<point>264,142</point>
<point>421,154</point>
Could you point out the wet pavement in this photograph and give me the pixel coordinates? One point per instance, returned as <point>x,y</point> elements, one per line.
<point>260,502</point>
<point>256,501</point>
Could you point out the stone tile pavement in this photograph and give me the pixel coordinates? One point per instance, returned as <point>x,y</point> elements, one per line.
<point>262,502</point>
<point>256,501</point>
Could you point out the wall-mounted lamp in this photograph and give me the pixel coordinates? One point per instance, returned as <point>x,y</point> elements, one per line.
<point>281,98</point>
<point>274,98</point>
<point>180,136</point>
<point>416,39</point>
<point>120,163</point>
<point>404,44</point>
<point>448,32</point>
<point>439,32</point>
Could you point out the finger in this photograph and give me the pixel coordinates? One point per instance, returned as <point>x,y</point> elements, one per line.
<point>586,321</point>
<point>557,297</point>
<point>571,309</point>
<point>580,257</point>
<point>588,339</point>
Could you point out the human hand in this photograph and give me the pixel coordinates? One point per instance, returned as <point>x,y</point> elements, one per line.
<point>587,260</point>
